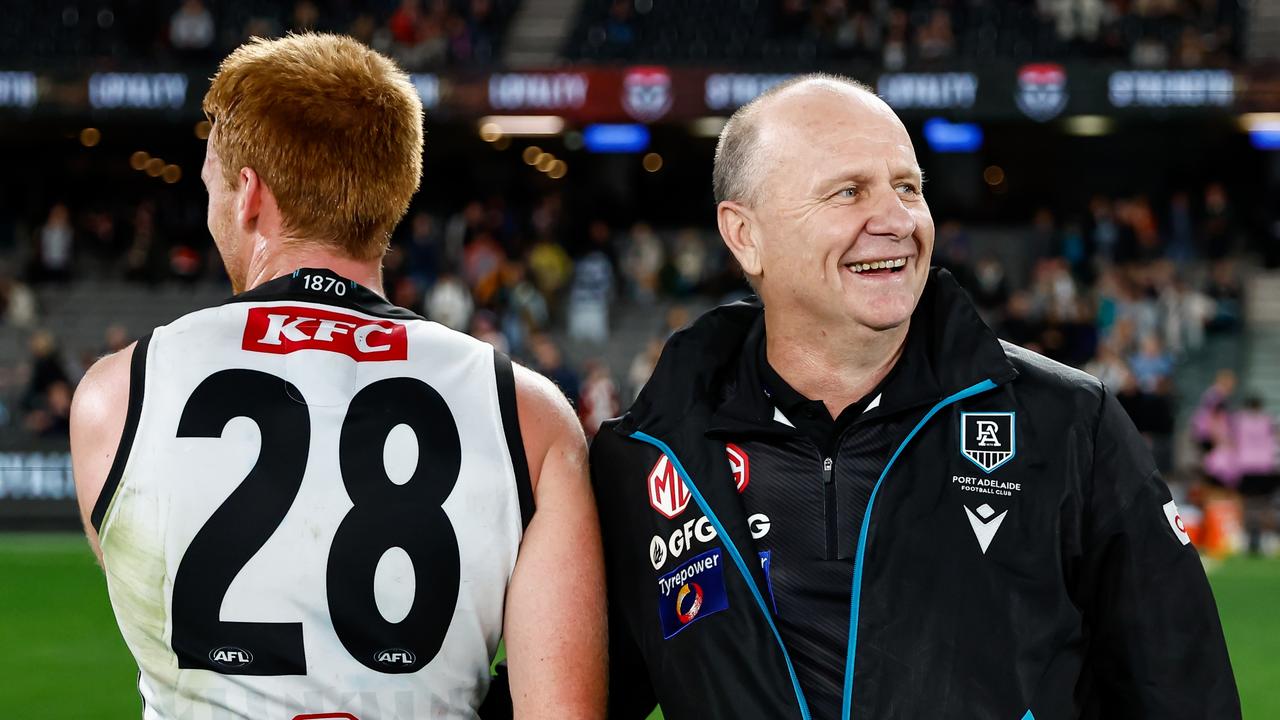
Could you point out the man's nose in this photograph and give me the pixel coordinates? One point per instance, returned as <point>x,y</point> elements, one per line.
<point>889,216</point>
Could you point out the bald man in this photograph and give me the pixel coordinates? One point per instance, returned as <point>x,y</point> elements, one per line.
<point>847,498</point>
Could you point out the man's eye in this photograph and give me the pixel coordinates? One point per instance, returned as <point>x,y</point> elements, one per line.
<point>908,189</point>
<point>849,192</point>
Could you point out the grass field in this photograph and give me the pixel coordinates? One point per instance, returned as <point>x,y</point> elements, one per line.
<point>61,656</point>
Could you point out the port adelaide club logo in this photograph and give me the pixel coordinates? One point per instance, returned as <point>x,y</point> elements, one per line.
<point>988,439</point>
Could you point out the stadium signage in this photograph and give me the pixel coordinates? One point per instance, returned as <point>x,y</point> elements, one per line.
<point>538,91</point>
<point>646,93</point>
<point>17,89</point>
<point>730,91</point>
<point>932,91</point>
<point>428,87</point>
<point>1042,91</point>
<point>143,91</point>
<point>1171,88</point>
<point>36,476</point>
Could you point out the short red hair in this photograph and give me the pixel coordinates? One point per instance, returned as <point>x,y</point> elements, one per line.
<point>332,127</point>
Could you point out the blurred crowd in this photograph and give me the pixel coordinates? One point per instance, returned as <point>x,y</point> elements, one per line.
<point>894,34</point>
<point>1124,288</point>
<point>195,34</point>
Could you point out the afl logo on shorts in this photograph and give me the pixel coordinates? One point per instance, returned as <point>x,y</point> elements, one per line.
<point>1042,90</point>
<point>646,93</point>
<point>989,440</point>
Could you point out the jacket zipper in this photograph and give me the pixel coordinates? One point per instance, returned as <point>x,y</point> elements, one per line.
<point>829,490</point>
<point>859,556</point>
<point>737,560</point>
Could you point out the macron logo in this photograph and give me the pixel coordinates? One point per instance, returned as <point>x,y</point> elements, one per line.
<point>985,524</point>
<point>282,330</point>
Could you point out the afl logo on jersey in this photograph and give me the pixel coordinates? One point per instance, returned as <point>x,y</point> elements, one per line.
<point>395,657</point>
<point>230,657</point>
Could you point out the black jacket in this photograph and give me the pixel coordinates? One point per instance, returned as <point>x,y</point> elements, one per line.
<point>1085,603</point>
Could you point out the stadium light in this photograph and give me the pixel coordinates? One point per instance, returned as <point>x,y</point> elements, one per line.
<point>1088,125</point>
<point>708,127</point>
<point>1263,129</point>
<point>949,137</point>
<point>604,138</point>
<point>523,125</point>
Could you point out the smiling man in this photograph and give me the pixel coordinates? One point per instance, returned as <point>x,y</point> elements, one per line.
<point>848,498</point>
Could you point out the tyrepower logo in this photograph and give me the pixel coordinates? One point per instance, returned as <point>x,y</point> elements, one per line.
<point>282,330</point>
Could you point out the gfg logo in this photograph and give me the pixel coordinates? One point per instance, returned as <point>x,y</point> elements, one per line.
<point>702,531</point>
<point>230,657</point>
<point>396,657</point>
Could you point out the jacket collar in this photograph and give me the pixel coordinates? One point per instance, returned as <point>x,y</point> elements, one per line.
<point>699,367</point>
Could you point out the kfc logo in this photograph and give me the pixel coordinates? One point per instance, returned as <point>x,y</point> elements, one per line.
<point>667,493</point>
<point>284,329</point>
<point>1042,91</point>
<point>646,93</point>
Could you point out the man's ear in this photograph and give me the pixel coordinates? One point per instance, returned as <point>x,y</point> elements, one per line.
<point>739,230</point>
<point>249,199</point>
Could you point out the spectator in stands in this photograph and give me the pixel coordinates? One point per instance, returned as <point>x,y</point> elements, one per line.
<point>419,38</point>
<point>1180,229</point>
<point>55,246</point>
<point>1257,444</point>
<point>481,263</point>
<point>1256,439</point>
<point>1218,228</point>
<point>1210,412</point>
<point>423,251</point>
<point>934,40</point>
<point>51,416</point>
<point>191,30</point>
<point>548,361</point>
<point>525,308</point>
<point>305,16</point>
<point>1109,368</point>
<point>592,289</point>
<point>1151,365</point>
<point>643,256</point>
<point>146,261</point>
<point>450,303</point>
<point>46,370</point>
<point>484,326</point>
<point>1227,296</point>
<point>642,366</point>
<point>17,302</point>
<point>599,398</point>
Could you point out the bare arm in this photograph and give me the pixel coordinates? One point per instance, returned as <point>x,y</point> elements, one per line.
<point>555,636</point>
<point>98,412</point>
